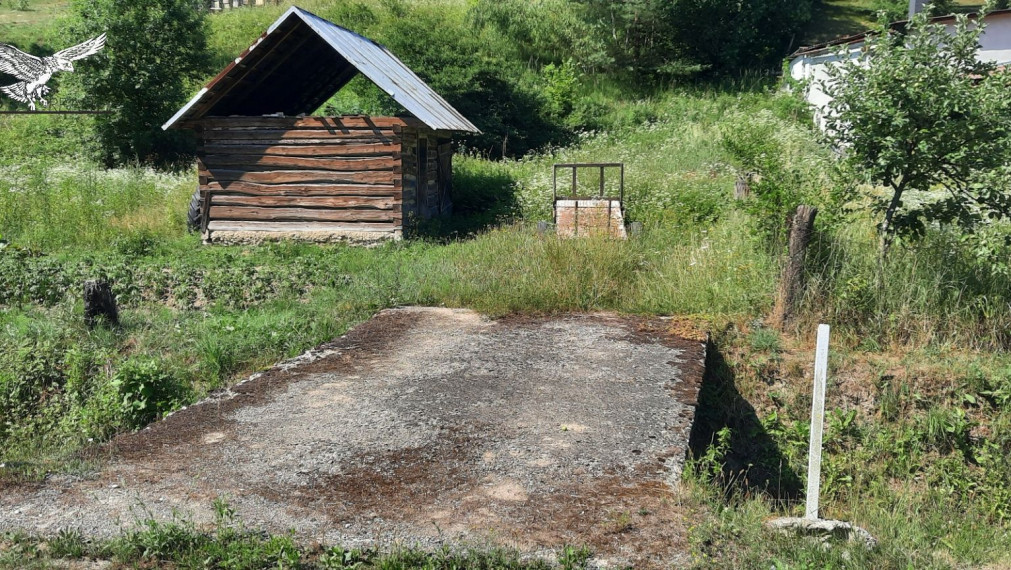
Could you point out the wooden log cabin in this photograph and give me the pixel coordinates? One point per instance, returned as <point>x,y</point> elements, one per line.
<point>268,171</point>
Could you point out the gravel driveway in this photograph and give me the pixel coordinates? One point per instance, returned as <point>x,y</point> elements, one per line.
<point>423,427</point>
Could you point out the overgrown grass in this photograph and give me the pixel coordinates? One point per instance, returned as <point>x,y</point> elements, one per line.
<point>915,451</point>
<point>49,205</point>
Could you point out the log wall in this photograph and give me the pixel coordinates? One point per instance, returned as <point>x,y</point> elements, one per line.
<point>427,174</point>
<point>318,174</point>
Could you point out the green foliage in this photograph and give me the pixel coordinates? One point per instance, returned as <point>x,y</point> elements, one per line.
<point>671,39</point>
<point>154,51</point>
<point>780,168</point>
<point>491,91</point>
<point>30,373</point>
<point>923,117</point>
<point>43,204</point>
<point>146,388</point>
<point>547,32</point>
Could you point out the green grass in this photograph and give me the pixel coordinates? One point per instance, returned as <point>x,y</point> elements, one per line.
<point>33,27</point>
<point>915,451</point>
<point>228,544</point>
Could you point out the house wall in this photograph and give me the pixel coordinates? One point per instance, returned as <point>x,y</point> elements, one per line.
<point>317,178</point>
<point>995,46</point>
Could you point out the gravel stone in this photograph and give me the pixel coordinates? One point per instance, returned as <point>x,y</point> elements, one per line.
<point>422,427</point>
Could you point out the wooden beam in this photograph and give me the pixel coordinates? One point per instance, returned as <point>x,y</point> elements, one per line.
<point>234,226</point>
<point>301,214</point>
<point>291,123</point>
<point>253,189</point>
<point>347,165</point>
<point>302,176</point>
<point>373,202</point>
<point>332,148</point>
<point>330,141</point>
<point>285,134</point>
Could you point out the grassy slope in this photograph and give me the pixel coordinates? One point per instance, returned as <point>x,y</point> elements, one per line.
<point>33,26</point>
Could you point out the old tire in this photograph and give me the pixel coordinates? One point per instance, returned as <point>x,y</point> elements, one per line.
<point>193,215</point>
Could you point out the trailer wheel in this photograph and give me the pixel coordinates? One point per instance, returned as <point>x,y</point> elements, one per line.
<point>193,214</point>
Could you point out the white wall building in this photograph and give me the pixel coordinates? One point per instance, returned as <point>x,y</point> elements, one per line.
<point>812,63</point>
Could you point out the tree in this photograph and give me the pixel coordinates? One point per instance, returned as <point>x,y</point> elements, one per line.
<point>667,38</point>
<point>156,50</point>
<point>921,116</point>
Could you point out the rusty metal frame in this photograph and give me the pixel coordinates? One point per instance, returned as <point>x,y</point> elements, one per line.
<point>573,195</point>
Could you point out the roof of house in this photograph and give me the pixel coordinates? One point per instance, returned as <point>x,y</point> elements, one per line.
<point>846,40</point>
<point>299,63</point>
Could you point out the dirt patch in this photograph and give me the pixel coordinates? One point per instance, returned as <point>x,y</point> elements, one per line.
<point>424,427</point>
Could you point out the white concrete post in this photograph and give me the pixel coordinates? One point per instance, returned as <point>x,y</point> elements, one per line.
<point>817,423</point>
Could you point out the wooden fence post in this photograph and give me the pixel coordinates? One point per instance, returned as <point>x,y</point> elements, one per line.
<point>791,284</point>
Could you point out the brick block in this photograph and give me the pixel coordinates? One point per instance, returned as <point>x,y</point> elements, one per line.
<point>582,218</point>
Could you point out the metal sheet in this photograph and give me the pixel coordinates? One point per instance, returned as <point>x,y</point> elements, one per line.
<point>274,78</point>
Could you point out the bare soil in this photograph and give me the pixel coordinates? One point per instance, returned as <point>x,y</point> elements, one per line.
<point>423,427</point>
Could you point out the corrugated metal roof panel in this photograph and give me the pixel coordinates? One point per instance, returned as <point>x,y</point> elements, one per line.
<point>289,85</point>
<point>897,25</point>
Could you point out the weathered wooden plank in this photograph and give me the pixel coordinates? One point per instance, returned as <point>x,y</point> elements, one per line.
<point>302,176</point>
<point>284,134</point>
<point>253,189</point>
<point>331,140</point>
<point>345,122</point>
<point>236,226</point>
<point>348,149</point>
<point>301,214</point>
<point>374,202</point>
<point>213,161</point>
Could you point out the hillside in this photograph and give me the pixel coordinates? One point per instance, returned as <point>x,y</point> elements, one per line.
<point>917,445</point>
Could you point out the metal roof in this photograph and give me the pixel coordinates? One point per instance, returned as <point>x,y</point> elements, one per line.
<point>300,62</point>
<point>898,25</point>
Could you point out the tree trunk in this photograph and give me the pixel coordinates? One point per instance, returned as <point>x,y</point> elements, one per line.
<point>791,284</point>
<point>99,304</point>
<point>887,234</point>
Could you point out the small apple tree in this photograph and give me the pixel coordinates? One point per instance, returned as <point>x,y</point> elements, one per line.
<point>921,116</point>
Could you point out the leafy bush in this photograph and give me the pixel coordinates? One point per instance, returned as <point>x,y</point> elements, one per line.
<point>146,388</point>
<point>783,170</point>
<point>30,373</point>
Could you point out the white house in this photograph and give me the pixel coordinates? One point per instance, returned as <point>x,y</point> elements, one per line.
<point>812,63</point>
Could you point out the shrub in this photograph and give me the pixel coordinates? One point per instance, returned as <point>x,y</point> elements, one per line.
<point>660,38</point>
<point>147,388</point>
<point>30,373</point>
